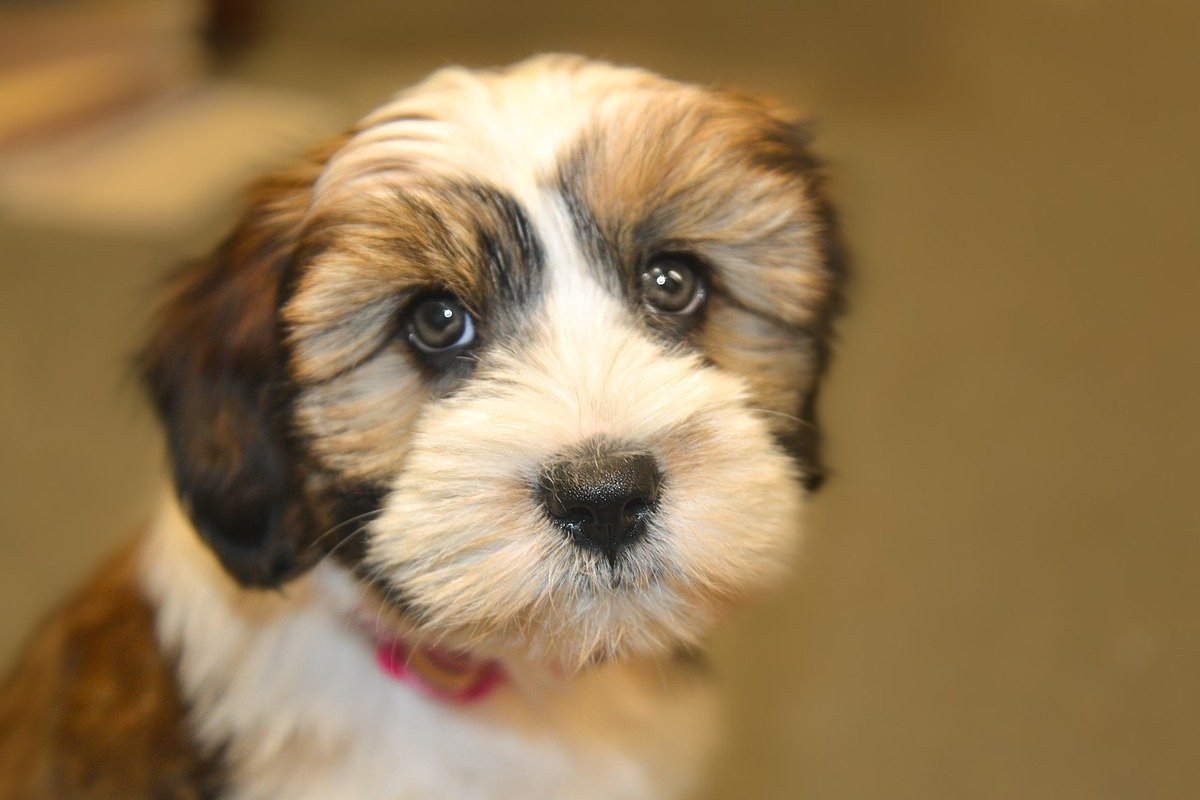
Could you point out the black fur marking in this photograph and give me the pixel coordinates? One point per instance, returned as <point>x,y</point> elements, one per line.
<point>500,249</point>
<point>353,509</point>
<point>806,443</point>
<point>619,269</point>
<point>513,254</point>
<point>600,246</point>
<point>214,373</point>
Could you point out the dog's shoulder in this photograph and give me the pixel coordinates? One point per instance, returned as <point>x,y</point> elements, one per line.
<point>92,709</point>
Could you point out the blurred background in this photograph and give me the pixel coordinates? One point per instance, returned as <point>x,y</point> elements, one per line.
<point>1000,594</point>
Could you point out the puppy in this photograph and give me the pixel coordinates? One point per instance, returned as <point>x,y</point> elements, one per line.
<point>481,418</point>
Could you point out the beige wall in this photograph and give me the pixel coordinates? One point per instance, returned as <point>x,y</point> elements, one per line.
<point>999,597</point>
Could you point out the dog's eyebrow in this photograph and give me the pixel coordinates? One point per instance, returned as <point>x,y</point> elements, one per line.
<point>505,237</point>
<point>601,246</point>
<point>482,237</point>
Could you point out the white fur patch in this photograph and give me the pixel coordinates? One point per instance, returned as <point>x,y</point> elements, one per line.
<point>288,685</point>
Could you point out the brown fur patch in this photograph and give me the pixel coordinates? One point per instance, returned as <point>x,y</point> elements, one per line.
<point>710,174</point>
<point>731,181</point>
<point>93,712</point>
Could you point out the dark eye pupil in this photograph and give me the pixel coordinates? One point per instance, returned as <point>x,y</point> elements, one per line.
<point>670,286</point>
<point>439,323</point>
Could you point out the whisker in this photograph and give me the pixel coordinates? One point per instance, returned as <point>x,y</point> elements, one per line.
<point>358,517</point>
<point>359,530</point>
<point>792,417</point>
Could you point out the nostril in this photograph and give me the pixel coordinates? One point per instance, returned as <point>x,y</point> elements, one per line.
<point>635,509</point>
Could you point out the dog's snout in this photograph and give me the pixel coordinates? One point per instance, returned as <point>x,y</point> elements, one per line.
<point>601,499</point>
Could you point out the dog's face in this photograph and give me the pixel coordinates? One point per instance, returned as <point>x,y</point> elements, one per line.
<point>535,351</point>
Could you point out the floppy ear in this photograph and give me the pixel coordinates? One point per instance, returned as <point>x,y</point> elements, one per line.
<point>214,370</point>
<point>805,443</point>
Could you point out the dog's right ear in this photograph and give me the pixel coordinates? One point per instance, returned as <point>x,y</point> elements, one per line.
<point>214,370</point>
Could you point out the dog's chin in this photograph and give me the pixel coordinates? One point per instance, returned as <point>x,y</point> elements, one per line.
<point>590,629</point>
<point>572,608</point>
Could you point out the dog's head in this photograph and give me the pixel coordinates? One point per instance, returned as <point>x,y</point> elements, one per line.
<point>536,351</point>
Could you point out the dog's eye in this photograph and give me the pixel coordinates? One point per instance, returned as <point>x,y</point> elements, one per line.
<point>440,325</point>
<point>671,284</point>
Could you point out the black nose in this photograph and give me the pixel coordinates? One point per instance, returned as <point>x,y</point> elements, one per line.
<point>601,498</point>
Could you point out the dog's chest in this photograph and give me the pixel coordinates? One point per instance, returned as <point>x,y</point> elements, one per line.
<point>595,744</point>
<point>294,699</point>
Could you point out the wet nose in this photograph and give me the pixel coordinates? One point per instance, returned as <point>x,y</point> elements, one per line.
<point>601,498</point>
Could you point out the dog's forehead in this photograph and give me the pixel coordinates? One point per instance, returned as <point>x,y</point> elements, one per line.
<point>509,128</point>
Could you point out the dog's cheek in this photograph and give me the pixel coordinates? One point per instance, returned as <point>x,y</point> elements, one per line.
<point>358,425</point>
<point>781,367</point>
<point>732,512</point>
<point>460,535</point>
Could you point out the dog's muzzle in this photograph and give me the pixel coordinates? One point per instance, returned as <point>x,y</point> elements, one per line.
<point>601,495</point>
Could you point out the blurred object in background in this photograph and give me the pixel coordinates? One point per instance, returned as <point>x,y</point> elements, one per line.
<point>108,122</point>
<point>65,63</point>
<point>232,24</point>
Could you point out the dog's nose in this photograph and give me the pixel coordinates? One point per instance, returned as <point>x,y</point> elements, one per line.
<point>601,499</point>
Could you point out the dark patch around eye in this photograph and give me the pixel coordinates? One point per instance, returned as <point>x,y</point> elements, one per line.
<point>619,250</point>
<point>619,258</point>
<point>494,265</point>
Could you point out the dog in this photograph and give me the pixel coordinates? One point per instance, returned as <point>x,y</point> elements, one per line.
<point>479,421</point>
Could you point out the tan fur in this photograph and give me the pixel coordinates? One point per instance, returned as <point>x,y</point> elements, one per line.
<point>93,711</point>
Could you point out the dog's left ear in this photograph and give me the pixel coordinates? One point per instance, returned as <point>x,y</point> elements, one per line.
<point>807,443</point>
<point>214,370</point>
<point>796,136</point>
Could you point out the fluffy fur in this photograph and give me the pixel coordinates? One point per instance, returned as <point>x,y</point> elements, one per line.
<point>326,471</point>
<point>285,687</point>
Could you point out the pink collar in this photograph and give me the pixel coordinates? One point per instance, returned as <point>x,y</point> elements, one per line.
<point>445,675</point>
